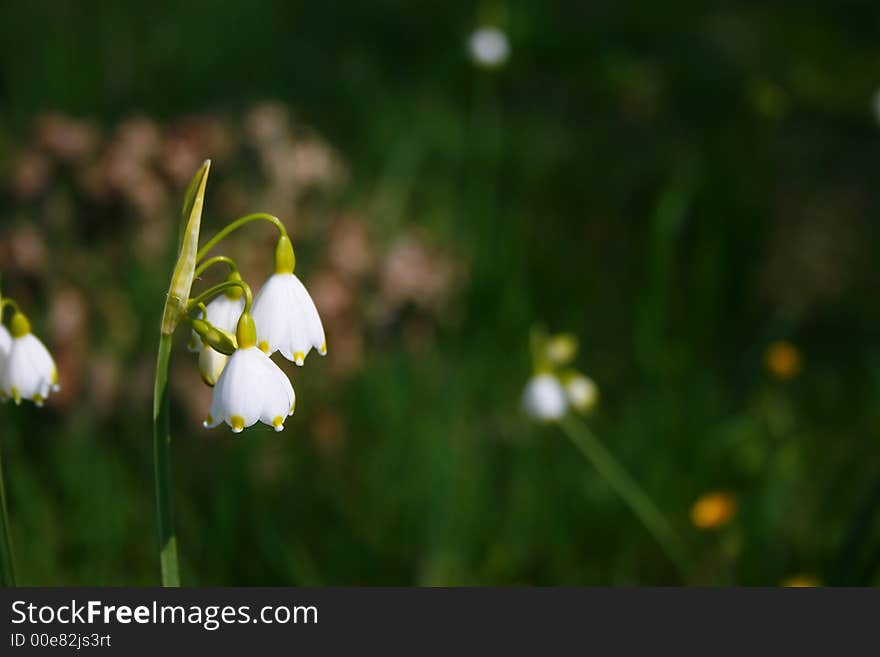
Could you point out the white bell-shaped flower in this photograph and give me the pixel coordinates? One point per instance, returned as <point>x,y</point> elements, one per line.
<point>544,398</point>
<point>28,371</point>
<point>5,344</point>
<point>251,387</point>
<point>285,315</point>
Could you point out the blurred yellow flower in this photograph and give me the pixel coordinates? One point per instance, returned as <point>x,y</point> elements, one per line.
<point>783,360</point>
<point>802,581</point>
<point>560,349</point>
<point>713,510</point>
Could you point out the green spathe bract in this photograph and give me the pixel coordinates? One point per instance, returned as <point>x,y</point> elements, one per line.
<point>175,310</point>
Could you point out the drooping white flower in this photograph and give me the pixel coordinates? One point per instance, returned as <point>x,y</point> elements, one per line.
<point>224,311</point>
<point>285,315</point>
<point>251,387</point>
<point>5,343</point>
<point>28,371</point>
<point>581,391</point>
<point>544,398</point>
<point>287,320</point>
<point>489,47</point>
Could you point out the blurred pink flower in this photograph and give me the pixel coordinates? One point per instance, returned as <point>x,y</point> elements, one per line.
<point>415,273</point>
<point>104,379</point>
<point>67,139</point>
<point>68,315</point>
<point>266,123</point>
<point>31,175</point>
<point>333,297</point>
<point>180,158</point>
<point>28,250</point>
<point>140,138</point>
<point>349,249</point>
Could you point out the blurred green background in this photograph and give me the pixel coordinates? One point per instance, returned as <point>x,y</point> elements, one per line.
<point>682,185</point>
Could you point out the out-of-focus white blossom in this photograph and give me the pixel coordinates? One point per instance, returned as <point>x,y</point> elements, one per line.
<point>581,392</point>
<point>544,398</point>
<point>489,47</point>
<point>553,390</point>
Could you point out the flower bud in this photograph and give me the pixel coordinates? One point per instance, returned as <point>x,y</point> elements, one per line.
<point>218,339</point>
<point>561,349</point>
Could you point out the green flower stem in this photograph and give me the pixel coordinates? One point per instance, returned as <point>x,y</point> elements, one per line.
<point>235,225</point>
<point>210,262</point>
<point>210,293</point>
<point>162,464</point>
<point>626,487</point>
<point>7,558</point>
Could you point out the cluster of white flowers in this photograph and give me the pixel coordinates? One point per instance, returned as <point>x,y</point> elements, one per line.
<point>554,389</point>
<point>27,370</point>
<point>249,387</point>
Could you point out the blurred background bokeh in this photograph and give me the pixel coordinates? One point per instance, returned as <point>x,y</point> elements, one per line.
<point>691,189</point>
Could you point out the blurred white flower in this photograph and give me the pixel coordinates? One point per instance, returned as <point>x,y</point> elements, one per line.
<point>489,47</point>
<point>581,392</point>
<point>287,320</point>
<point>28,371</point>
<point>553,390</point>
<point>251,388</point>
<point>544,398</point>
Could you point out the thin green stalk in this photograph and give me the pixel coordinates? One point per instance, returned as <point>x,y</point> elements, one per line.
<point>7,558</point>
<point>625,486</point>
<point>235,225</point>
<point>212,292</point>
<point>216,260</point>
<point>162,464</point>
